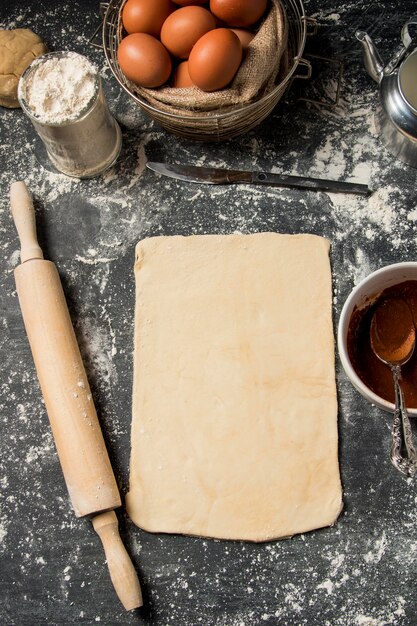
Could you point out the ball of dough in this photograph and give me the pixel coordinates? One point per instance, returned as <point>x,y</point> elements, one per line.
<point>18,48</point>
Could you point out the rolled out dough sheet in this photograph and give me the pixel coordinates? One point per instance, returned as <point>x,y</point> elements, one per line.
<point>234,431</point>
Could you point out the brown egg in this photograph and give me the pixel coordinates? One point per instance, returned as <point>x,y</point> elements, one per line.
<point>245,36</point>
<point>182,76</point>
<point>215,59</point>
<point>184,27</point>
<point>144,60</point>
<point>238,12</point>
<point>142,16</point>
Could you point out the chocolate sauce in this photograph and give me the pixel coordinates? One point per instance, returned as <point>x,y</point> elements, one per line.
<point>373,373</point>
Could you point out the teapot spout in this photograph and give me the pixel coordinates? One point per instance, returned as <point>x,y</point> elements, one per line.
<point>371,57</point>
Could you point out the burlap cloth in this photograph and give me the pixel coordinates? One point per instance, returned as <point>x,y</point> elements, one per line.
<point>265,63</point>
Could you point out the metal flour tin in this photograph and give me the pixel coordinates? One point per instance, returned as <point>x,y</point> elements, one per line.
<point>62,95</point>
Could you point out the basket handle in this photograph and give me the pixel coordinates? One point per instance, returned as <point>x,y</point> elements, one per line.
<point>303,62</point>
<point>95,40</point>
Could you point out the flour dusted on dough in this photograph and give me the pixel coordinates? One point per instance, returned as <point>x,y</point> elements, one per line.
<point>234,431</point>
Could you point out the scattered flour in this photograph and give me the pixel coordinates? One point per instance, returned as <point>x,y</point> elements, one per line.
<point>4,523</point>
<point>371,216</point>
<point>329,159</point>
<point>375,555</point>
<point>327,585</point>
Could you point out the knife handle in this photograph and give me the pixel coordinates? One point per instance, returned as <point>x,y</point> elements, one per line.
<point>287,180</point>
<point>308,182</point>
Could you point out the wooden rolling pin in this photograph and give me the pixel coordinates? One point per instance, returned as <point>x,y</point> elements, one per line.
<point>75,427</point>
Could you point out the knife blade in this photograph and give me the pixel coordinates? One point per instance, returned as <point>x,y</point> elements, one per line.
<point>222,176</point>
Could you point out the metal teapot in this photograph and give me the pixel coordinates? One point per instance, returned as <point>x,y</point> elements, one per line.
<point>397,116</point>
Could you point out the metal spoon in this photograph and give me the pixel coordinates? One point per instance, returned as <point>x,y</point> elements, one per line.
<point>393,339</point>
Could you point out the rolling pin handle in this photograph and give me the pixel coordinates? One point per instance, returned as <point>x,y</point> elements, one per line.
<point>122,572</point>
<point>24,218</point>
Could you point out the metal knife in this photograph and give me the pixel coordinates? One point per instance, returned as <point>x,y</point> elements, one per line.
<point>221,176</point>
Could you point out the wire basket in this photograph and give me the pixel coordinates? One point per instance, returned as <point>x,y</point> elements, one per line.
<point>215,125</point>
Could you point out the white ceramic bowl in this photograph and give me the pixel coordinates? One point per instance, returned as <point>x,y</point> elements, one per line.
<point>363,294</point>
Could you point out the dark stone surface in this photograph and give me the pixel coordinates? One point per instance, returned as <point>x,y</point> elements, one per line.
<point>362,572</point>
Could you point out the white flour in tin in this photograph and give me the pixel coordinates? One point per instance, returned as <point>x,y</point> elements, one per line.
<point>59,88</point>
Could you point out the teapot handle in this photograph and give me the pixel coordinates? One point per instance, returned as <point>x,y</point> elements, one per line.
<point>402,51</point>
<point>406,38</point>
